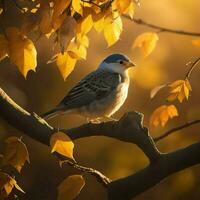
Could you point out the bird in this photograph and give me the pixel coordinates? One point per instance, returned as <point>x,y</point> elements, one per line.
<point>99,94</point>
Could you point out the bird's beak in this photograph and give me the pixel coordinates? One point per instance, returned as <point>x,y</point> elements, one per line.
<point>129,64</point>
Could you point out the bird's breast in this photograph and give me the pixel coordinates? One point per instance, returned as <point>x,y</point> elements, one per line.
<point>107,106</point>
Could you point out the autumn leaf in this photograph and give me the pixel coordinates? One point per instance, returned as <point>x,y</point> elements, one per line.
<point>45,24</point>
<point>22,51</point>
<point>162,114</point>
<point>131,10</point>
<point>112,29</point>
<point>146,42</point>
<point>15,153</point>
<point>98,20</point>
<point>62,144</point>
<point>65,64</point>
<point>3,47</point>
<point>70,187</point>
<point>122,6</point>
<point>76,51</point>
<point>85,25</point>
<point>179,90</point>
<point>76,4</point>
<point>7,183</point>
<point>83,40</point>
<point>59,15</point>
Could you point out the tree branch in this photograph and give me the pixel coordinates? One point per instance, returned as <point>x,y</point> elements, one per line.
<point>188,124</point>
<point>128,129</point>
<point>129,187</point>
<point>193,65</point>
<point>162,29</point>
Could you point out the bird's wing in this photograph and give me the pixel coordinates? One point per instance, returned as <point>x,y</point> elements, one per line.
<point>94,86</point>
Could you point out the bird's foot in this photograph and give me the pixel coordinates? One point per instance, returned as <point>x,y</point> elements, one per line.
<point>94,121</point>
<point>109,119</point>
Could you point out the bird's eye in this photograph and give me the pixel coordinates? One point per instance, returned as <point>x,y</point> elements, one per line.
<point>121,62</point>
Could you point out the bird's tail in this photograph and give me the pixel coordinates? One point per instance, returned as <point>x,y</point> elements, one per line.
<point>52,113</point>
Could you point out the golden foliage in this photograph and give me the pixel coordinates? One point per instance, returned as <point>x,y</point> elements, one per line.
<point>62,144</point>
<point>20,49</point>
<point>7,183</point>
<point>16,153</point>
<point>65,64</point>
<point>179,90</point>
<point>112,29</point>
<point>162,114</point>
<point>70,187</point>
<point>146,42</point>
<point>49,18</point>
<point>122,6</point>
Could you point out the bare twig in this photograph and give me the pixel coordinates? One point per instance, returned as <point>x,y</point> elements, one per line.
<point>162,29</point>
<point>91,2</point>
<point>194,64</point>
<point>100,177</point>
<point>176,129</point>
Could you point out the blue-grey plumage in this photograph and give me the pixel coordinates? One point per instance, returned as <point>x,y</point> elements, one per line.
<point>101,93</point>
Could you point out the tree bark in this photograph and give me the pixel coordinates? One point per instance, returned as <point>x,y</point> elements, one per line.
<point>128,129</point>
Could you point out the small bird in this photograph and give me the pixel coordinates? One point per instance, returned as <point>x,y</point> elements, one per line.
<point>100,94</point>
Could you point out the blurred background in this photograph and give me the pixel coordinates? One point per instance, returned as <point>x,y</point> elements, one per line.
<point>42,90</point>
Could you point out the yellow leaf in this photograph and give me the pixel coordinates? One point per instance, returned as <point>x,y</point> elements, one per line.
<point>180,90</point>
<point>83,40</point>
<point>3,47</point>
<point>85,25</point>
<point>112,29</point>
<point>46,18</point>
<point>7,183</point>
<point>172,111</point>
<point>196,42</point>
<point>65,64</point>
<point>131,10</point>
<point>122,6</point>
<point>162,114</point>
<point>98,20</point>
<point>76,4</point>
<point>58,13</point>
<point>16,153</point>
<point>62,144</point>
<point>22,51</point>
<point>146,42</point>
<point>60,6</point>
<point>70,187</point>
<point>76,51</point>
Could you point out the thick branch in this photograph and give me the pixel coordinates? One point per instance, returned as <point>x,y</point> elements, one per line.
<point>129,129</point>
<point>161,28</point>
<point>131,186</point>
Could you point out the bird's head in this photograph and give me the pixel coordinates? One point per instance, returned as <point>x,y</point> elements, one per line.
<point>117,62</point>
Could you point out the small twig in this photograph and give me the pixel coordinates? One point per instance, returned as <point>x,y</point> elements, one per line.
<point>194,64</point>
<point>176,129</point>
<point>100,177</point>
<point>162,29</point>
<point>91,2</point>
